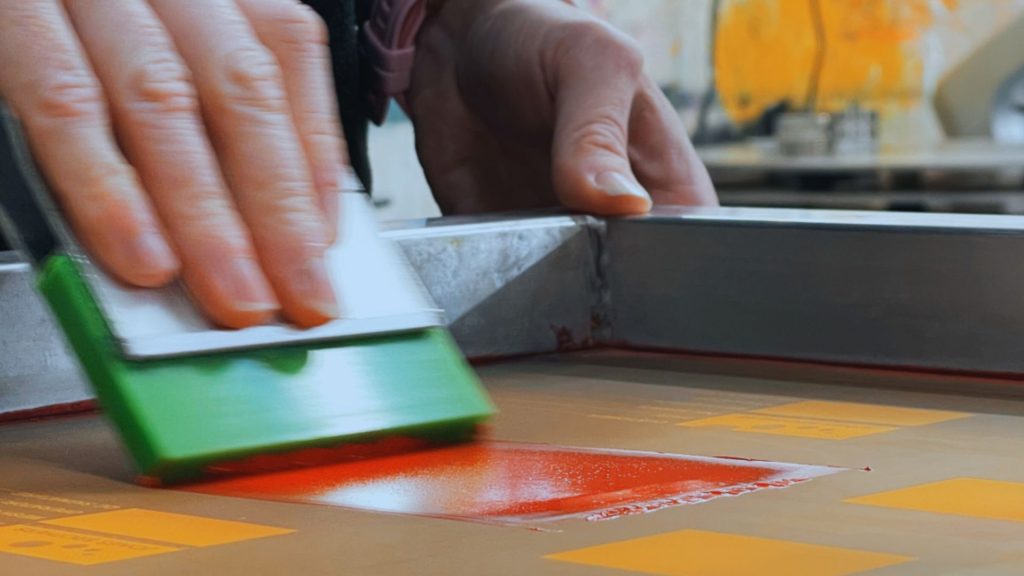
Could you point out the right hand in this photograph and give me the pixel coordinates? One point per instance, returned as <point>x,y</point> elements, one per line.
<point>227,161</point>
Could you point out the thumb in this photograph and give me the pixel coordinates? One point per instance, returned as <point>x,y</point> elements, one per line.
<point>590,165</point>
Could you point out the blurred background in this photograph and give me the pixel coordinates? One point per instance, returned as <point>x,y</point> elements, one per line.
<point>913,105</point>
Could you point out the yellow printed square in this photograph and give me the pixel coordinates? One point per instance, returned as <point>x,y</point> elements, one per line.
<point>864,413</point>
<point>799,427</point>
<point>697,552</point>
<point>70,547</point>
<point>167,527</point>
<point>975,497</point>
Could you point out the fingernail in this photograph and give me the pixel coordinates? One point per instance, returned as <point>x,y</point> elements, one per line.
<point>151,255</point>
<point>313,287</point>
<point>246,286</point>
<point>618,184</point>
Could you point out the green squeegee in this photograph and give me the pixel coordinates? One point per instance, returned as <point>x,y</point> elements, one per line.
<point>186,396</point>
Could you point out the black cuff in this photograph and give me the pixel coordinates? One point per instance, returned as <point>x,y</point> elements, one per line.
<point>343,28</point>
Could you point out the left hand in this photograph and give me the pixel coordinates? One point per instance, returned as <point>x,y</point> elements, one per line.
<point>532,103</point>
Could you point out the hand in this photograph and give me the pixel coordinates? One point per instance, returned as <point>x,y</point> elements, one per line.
<point>228,151</point>
<point>529,103</point>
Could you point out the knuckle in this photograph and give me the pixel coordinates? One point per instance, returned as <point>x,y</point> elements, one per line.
<point>208,215</point>
<point>294,214</point>
<point>300,27</point>
<point>321,130</point>
<point>28,20</point>
<point>252,81</point>
<point>68,95</point>
<point>102,187</point>
<point>628,53</point>
<point>603,133</point>
<point>327,149</point>
<point>161,85</point>
<point>594,39</point>
<point>623,52</point>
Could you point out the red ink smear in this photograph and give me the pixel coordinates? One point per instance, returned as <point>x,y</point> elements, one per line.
<point>516,483</point>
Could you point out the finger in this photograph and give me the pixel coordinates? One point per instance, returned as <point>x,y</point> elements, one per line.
<point>591,167</point>
<point>157,120</point>
<point>298,38</point>
<point>662,156</point>
<point>51,88</point>
<point>246,109</point>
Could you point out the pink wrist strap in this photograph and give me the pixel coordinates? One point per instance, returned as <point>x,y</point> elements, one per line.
<point>389,42</point>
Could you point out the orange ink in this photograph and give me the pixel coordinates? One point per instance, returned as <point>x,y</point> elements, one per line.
<point>514,483</point>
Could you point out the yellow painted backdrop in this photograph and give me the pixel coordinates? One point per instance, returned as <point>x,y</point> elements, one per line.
<point>765,52</point>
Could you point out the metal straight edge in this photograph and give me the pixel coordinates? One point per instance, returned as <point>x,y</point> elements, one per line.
<point>890,290</point>
<point>511,286</point>
<point>37,369</point>
<point>925,291</point>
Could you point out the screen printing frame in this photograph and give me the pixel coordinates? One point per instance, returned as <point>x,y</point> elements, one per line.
<point>931,292</point>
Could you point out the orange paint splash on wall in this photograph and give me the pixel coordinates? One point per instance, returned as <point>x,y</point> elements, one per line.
<point>516,483</point>
<point>766,49</point>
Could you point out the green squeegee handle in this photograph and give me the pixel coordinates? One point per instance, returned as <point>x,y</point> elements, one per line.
<point>23,195</point>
